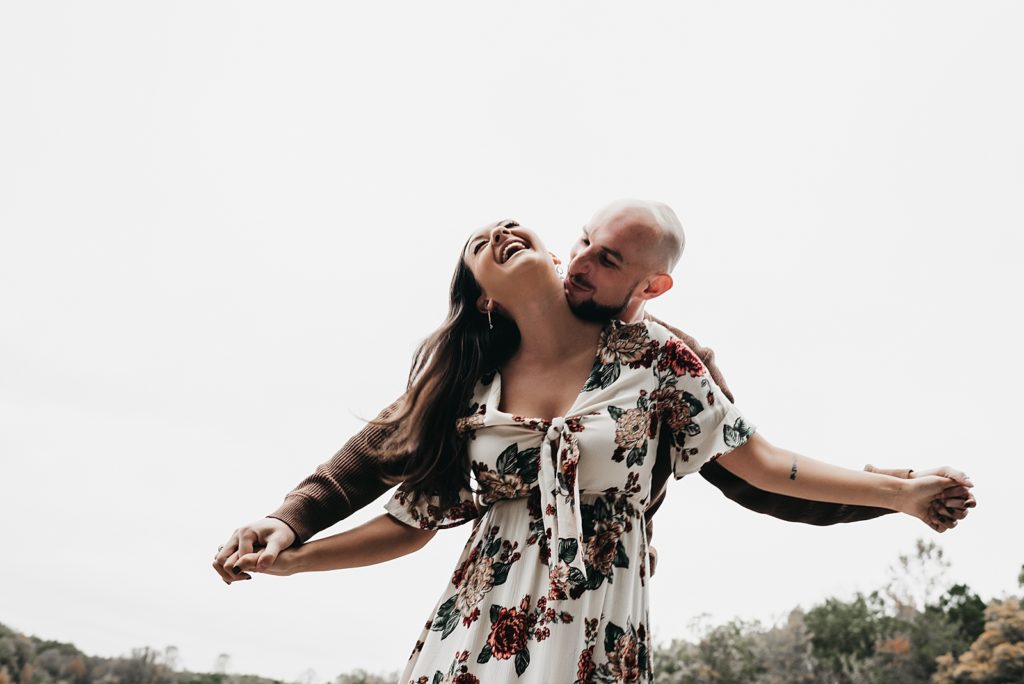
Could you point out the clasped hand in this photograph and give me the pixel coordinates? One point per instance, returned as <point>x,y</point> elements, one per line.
<point>939,497</point>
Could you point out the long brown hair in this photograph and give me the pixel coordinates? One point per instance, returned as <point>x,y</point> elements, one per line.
<point>423,448</point>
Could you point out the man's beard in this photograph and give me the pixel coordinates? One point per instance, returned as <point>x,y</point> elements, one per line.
<point>592,311</point>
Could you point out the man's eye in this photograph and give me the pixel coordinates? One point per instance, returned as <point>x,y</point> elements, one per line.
<point>606,261</point>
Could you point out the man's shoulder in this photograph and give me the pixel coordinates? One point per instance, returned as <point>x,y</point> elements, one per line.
<point>661,330</point>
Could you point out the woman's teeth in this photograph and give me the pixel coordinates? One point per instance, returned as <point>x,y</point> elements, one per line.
<point>511,248</point>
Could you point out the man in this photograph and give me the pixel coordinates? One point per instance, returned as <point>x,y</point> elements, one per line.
<point>623,259</point>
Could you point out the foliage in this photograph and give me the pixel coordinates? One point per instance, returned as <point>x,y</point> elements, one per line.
<point>998,653</point>
<point>30,660</point>
<point>845,631</point>
<point>916,624</point>
<point>916,629</point>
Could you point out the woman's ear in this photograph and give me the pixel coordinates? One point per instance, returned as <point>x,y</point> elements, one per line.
<point>554,257</point>
<point>483,304</point>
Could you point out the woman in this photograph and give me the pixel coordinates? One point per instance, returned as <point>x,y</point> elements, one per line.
<point>562,422</point>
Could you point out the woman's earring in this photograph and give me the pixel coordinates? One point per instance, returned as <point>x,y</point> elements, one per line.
<point>559,270</point>
<point>490,323</point>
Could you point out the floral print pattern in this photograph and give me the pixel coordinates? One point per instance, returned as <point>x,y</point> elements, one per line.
<point>551,585</point>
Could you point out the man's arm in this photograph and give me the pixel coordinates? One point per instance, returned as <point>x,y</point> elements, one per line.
<point>347,482</point>
<point>779,506</point>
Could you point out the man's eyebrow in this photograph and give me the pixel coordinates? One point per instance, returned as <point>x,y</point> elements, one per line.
<point>613,253</point>
<point>607,250</point>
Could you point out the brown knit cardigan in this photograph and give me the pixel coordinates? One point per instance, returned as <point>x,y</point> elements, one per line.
<point>351,479</point>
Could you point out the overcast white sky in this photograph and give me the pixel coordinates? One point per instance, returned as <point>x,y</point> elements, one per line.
<point>225,226</point>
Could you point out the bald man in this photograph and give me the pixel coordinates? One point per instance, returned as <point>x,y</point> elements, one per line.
<point>623,259</point>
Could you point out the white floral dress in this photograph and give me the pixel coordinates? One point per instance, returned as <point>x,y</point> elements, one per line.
<point>552,585</point>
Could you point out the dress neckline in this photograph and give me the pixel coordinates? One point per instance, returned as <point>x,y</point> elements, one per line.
<point>494,393</point>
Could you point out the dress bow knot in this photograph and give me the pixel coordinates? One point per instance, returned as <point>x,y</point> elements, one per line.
<point>559,500</point>
<point>556,429</point>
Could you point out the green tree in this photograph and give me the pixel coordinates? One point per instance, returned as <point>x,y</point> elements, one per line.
<point>996,656</point>
<point>786,653</point>
<point>730,653</point>
<point>965,610</point>
<point>846,631</point>
<point>726,654</point>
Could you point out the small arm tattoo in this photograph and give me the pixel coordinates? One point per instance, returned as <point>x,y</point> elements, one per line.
<point>792,469</point>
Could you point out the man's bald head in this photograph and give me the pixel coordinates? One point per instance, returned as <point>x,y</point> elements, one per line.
<point>653,226</point>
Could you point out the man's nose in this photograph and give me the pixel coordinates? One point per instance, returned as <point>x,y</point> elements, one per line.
<point>578,264</point>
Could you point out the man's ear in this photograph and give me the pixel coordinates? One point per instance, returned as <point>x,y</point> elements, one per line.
<point>657,285</point>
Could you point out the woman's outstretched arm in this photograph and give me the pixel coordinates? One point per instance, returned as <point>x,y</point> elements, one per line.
<point>381,539</point>
<point>778,470</point>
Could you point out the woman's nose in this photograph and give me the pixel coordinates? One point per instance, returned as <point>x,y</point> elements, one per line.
<point>498,233</point>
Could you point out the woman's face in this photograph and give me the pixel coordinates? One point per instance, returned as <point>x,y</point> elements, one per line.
<point>509,262</point>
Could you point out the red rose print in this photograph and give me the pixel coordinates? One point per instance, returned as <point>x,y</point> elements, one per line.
<point>677,357</point>
<point>508,634</point>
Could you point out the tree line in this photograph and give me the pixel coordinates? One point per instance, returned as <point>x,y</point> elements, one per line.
<point>918,628</point>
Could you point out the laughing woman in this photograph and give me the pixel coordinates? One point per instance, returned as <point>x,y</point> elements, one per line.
<point>562,424</point>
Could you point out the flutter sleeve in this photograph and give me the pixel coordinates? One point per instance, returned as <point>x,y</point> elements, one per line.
<point>426,513</point>
<point>691,411</point>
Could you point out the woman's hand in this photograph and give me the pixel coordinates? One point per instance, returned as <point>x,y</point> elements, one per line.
<point>288,562</point>
<point>947,509</point>
<point>935,500</point>
<point>268,536</point>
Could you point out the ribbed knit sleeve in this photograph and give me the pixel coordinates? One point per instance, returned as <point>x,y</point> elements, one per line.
<point>347,482</point>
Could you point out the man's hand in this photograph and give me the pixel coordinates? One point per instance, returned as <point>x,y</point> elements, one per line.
<point>950,505</point>
<point>267,537</point>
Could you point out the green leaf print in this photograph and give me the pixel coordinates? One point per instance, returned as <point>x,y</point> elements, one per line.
<point>447,618</point>
<point>621,558</point>
<point>693,402</point>
<point>615,412</point>
<point>594,578</point>
<point>495,612</point>
<point>737,433</point>
<point>612,632</point>
<point>636,455</point>
<point>522,661</point>
<point>507,462</point>
<point>692,429</point>
<point>438,677</point>
<point>602,376</point>
<point>500,573</point>
<point>493,548</point>
<point>567,549</point>
<point>576,576</point>
<point>485,654</point>
<point>529,464</point>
